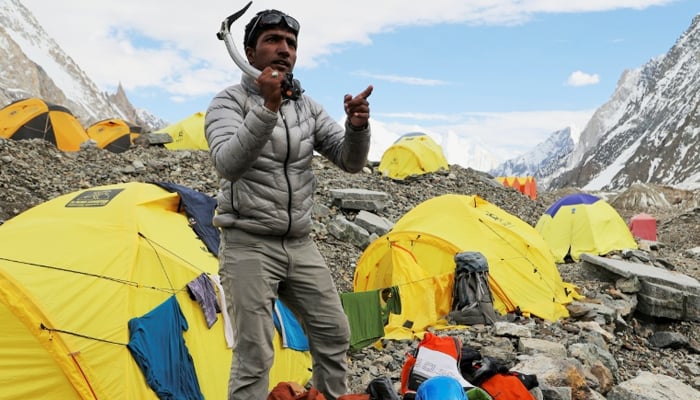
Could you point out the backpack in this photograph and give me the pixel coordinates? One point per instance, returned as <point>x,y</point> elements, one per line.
<point>472,301</point>
<point>434,356</point>
<point>382,389</point>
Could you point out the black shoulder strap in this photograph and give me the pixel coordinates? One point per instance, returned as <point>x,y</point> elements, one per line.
<point>458,347</point>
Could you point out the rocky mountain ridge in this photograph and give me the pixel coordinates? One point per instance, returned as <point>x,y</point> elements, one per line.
<point>32,64</point>
<point>648,131</point>
<point>656,131</point>
<point>543,161</point>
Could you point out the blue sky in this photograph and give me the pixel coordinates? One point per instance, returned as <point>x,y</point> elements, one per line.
<point>501,75</point>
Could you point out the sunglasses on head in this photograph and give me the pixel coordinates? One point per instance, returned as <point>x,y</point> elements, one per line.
<point>274,18</point>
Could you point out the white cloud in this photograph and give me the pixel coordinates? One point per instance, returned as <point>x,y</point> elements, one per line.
<point>506,134</point>
<point>580,78</point>
<point>408,80</point>
<point>177,43</point>
<point>419,116</point>
<point>163,49</point>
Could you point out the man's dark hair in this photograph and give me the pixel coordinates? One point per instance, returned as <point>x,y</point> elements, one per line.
<point>257,25</point>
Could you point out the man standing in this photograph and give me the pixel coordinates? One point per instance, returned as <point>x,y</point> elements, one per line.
<point>262,146</point>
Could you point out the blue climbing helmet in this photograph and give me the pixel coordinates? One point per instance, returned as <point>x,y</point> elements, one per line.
<point>441,388</point>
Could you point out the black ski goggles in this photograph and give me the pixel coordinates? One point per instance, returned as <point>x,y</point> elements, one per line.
<point>272,18</point>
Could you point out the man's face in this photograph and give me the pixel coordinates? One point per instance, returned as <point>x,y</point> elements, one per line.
<point>277,48</point>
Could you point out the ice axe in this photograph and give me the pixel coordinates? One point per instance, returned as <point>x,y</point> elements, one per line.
<point>291,88</point>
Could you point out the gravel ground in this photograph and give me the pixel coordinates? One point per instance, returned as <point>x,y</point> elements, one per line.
<point>33,171</point>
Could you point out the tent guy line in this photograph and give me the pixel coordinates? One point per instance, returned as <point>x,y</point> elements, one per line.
<point>109,278</point>
<point>46,328</point>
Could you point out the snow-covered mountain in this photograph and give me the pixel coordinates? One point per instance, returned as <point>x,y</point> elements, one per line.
<point>544,161</point>
<point>33,65</point>
<point>648,132</point>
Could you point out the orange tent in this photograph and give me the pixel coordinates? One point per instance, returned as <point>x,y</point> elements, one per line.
<point>115,134</point>
<point>524,184</point>
<point>34,118</point>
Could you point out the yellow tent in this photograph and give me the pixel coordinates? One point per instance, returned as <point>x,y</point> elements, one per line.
<point>417,256</point>
<point>582,223</point>
<point>187,134</point>
<point>76,269</point>
<point>412,154</point>
<point>34,118</point>
<point>114,134</point>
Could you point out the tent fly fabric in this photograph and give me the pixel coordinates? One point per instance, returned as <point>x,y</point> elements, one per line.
<point>34,118</point>
<point>187,134</point>
<point>115,134</point>
<point>581,223</point>
<point>524,184</point>
<point>413,154</point>
<point>417,256</point>
<point>76,269</point>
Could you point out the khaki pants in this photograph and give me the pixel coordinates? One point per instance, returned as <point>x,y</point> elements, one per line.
<point>254,271</point>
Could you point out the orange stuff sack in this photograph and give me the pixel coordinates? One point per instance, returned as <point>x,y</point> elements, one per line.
<point>506,386</point>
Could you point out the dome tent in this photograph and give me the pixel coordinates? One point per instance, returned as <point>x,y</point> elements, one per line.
<point>114,134</point>
<point>410,155</point>
<point>187,134</point>
<point>33,118</point>
<point>417,256</point>
<point>76,269</point>
<point>583,223</point>
<point>524,184</point>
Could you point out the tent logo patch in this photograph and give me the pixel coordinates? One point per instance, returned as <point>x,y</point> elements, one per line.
<point>93,198</point>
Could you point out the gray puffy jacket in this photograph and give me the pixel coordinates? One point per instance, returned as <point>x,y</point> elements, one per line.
<point>264,158</point>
